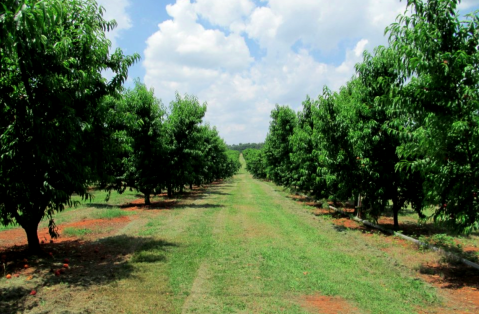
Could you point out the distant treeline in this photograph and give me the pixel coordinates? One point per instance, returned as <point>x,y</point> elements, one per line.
<point>242,146</point>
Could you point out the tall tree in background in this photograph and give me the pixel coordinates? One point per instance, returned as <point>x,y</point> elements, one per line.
<point>439,56</point>
<point>52,121</point>
<point>255,163</point>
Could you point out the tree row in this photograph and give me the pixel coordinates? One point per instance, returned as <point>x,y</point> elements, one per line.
<point>403,131</point>
<point>65,128</point>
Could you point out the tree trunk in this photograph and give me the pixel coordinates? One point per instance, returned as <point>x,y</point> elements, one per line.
<point>147,198</point>
<point>191,186</point>
<point>395,214</point>
<point>397,205</point>
<point>31,229</point>
<point>359,208</point>
<point>170,191</point>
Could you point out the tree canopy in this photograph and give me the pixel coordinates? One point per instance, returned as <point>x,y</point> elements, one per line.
<point>404,129</point>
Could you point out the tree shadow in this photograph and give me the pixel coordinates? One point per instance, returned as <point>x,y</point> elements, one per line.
<point>218,193</point>
<point>90,263</point>
<point>100,206</point>
<point>340,228</point>
<point>201,206</point>
<point>452,275</point>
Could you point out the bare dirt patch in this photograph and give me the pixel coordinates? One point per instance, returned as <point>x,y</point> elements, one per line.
<point>327,305</point>
<point>459,284</point>
<point>104,227</point>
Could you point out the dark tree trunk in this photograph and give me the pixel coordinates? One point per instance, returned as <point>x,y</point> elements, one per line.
<point>147,198</point>
<point>191,186</point>
<point>29,221</point>
<point>395,215</point>
<point>181,188</point>
<point>170,191</point>
<point>31,229</point>
<point>359,208</point>
<point>397,205</point>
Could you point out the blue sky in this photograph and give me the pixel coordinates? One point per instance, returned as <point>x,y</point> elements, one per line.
<point>244,56</point>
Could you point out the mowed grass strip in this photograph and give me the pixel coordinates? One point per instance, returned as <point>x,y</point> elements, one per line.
<point>168,262</point>
<point>245,248</point>
<point>266,257</point>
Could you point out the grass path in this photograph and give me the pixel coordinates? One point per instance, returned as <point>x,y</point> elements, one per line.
<point>245,248</point>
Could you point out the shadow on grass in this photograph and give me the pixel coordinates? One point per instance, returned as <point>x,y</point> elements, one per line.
<point>90,263</point>
<point>455,273</point>
<point>100,206</point>
<point>452,275</point>
<point>197,206</point>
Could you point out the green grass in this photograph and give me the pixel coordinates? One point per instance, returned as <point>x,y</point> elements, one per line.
<point>245,248</point>
<point>76,232</point>
<point>109,213</point>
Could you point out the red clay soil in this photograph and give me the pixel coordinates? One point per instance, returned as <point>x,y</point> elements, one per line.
<point>459,283</point>
<point>17,237</point>
<point>327,305</point>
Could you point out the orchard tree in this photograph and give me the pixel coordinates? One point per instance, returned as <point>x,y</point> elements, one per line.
<point>276,148</point>
<point>182,127</point>
<point>303,162</point>
<point>52,123</point>
<point>218,162</point>
<point>255,162</point>
<point>371,116</point>
<point>337,172</point>
<point>146,164</point>
<point>439,61</point>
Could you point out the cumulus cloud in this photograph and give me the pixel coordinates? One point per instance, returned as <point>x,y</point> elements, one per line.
<point>182,55</point>
<point>216,64</point>
<point>229,14</point>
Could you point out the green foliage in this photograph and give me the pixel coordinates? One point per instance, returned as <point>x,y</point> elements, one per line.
<point>254,159</point>
<point>64,128</point>
<point>53,137</point>
<point>303,156</point>
<point>276,149</point>
<point>438,55</point>
<point>404,129</point>
<point>242,146</point>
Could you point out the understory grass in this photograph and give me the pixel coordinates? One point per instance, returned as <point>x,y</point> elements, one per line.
<point>76,232</point>
<point>109,213</point>
<point>246,249</point>
<point>243,247</point>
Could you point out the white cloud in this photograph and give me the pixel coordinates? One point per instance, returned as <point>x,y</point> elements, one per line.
<point>228,14</point>
<point>217,65</point>
<point>323,24</point>
<point>182,55</point>
<point>116,10</point>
